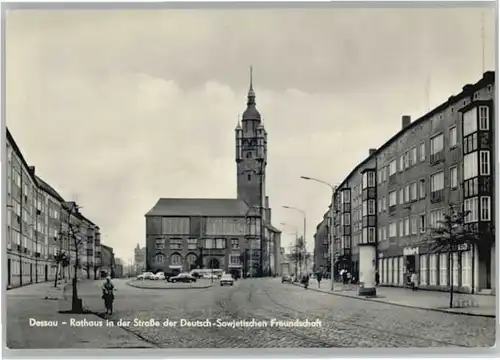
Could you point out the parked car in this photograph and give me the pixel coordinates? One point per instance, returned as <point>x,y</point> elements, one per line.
<point>182,277</point>
<point>158,276</point>
<point>226,279</point>
<point>145,275</point>
<point>196,274</point>
<point>286,279</point>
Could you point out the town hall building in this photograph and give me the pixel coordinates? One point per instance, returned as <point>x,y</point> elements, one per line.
<point>234,235</point>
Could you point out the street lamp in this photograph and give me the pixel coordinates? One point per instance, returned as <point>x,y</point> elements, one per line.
<point>305,221</point>
<point>330,224</point>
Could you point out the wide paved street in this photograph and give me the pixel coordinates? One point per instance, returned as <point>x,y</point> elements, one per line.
<point>344,322</point>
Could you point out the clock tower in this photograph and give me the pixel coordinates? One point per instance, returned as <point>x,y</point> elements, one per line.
<point>251,153</point>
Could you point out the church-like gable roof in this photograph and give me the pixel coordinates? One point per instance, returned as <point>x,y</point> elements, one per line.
<point>201,207</point>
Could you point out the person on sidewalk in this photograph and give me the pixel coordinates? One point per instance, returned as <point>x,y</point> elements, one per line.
<point>319,276</point>
<point>414,281</point>
<point>377,278</point>
<point>343,274</point>
<point>108,295</point>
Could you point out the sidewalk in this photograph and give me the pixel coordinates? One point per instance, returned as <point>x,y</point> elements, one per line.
<point>28,302</point>
<point>43,290</point>
<point>479,305</point>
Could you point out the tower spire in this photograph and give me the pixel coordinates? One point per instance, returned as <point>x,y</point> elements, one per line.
<point>251,93</point>
<point>251,77</point>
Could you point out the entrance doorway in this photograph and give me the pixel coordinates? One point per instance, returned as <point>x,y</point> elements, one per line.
<point>214,263</point>
<point>31,273</point>
<point>46,273</point>
<point>410,264</point>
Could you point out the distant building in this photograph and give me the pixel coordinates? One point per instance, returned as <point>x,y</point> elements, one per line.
<point>321,245</point>
<point>108,261</point>
<point>139,259</point>
<point>235,235</point>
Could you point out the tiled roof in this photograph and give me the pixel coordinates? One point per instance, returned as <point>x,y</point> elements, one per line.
<point>199,207</point>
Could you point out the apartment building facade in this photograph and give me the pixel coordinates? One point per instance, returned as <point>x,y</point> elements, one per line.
<point>321,245</point>
<point>442,160</point>
<point>35,225</point>
<point>355,215</point>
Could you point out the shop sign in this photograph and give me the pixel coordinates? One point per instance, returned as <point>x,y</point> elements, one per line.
<point>408,251</point>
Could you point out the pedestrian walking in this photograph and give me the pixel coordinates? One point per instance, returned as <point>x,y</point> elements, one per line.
<point>377,278</point>
<point>414,281</point>
<point>344,277</point>
<point>349,277</point>
<point>319,276</point>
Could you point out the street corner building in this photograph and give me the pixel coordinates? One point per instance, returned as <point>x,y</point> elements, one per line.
<point>40,243</point>
<point>387,204</point>
<point>234,235</point>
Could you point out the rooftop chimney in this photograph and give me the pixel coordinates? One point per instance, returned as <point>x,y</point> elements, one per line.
<point>371,151</point>
<point>32,170</point>
<point>405,120</point>
<point>266,202</point>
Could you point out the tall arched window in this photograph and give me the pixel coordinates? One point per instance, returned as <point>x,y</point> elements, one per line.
<point>191,259</point>
<point>159,258</point>
<point>176,259</point>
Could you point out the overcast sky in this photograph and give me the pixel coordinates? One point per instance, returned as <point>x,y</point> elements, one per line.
<point>119,108</point>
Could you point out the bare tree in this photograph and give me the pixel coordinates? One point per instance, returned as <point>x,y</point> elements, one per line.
<point>453,233</point>
<point>76,239</point>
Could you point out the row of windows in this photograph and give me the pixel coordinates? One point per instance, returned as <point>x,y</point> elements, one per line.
<point>409,157</point>
<point>177,259</point>
<point>477,208</point>
<point>412,192</point>
<point>193,244</point>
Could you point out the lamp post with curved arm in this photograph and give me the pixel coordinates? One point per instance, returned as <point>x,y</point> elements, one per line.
<point>330,224</point>
<point>305,221</point>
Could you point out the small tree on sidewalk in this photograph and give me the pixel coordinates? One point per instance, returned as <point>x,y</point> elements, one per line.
<point>76,240</point>
<point>451,234</point>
